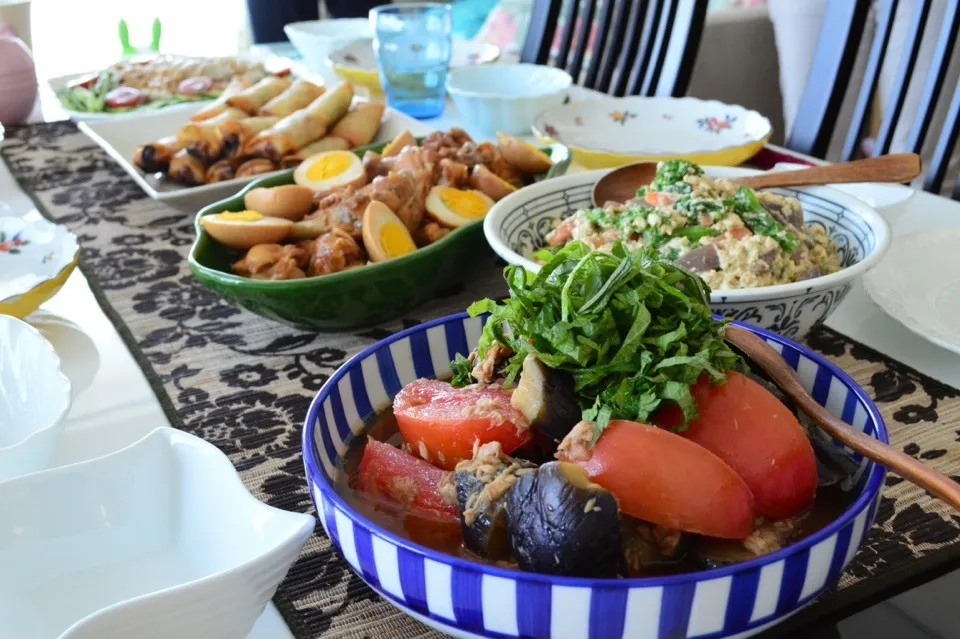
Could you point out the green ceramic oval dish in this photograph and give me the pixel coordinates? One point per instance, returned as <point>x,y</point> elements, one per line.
<point>358,297</point>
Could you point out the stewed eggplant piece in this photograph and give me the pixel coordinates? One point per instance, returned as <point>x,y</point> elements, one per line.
<point>560,523</point>
<point>482,484</point>
<point>546,397</point>
<point>648,547</point>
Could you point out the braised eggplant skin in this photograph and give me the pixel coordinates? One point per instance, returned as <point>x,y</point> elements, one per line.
<point>560,523</point>
<point>648,547</point>
<point>482,485</point>
<point>546,397</point>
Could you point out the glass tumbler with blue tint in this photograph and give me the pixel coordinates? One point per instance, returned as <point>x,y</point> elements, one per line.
<point>413,43</point>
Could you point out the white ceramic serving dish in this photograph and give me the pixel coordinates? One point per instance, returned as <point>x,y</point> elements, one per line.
<point>517,225</point>
<point>507,97</point>
<point>158,540</point>
<point>918,284</point>
<point>120,138</point>
<point>317,39</point>
<point>357,61</point>
<point>36,258</point>
<point>34,401</point>
<point>610,131</point>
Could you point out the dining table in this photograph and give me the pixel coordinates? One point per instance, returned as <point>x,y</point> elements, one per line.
<point>124,386</point>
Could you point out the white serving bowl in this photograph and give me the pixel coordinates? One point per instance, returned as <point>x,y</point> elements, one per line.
<point>516,227</point>
<point>316,39</point>
<point>34,400</point>
<point>158,540</point>
<point>506,97</point>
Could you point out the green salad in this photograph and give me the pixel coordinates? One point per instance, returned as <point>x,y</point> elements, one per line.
<point>632,330</point>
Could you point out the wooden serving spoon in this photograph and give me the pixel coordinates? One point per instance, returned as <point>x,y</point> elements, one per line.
<point>621,184</point>
<point>769,360</point>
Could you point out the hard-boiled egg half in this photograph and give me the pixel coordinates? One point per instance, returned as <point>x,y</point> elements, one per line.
<point>244,229</point>
<point>385,236</point>
<point>330,170</point>
<point>456,207</point>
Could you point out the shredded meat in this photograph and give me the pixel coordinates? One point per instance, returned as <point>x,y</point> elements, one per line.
<point>273,262</point>
<point>448,489</point>
<point>429,232</point>
<point>402,489</point>
<point>497,471</point>
<point>578,444</point>
<point>484,371</point>
<point>334,251</point>
<point>769,537</point>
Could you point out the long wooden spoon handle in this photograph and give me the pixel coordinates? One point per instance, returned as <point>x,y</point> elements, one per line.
<point>770,361</point>
<point>898,167</point>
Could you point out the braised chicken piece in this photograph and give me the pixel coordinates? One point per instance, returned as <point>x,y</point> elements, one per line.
<point>446,143</point>
<point>342,210</point>
<point>333,252</point>
<point>429,233</point>
<point>376,164</point>
<point>273,262</point>
<point>454,174</point>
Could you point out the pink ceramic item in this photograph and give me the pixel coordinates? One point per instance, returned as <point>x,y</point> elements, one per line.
<point>18,81</point>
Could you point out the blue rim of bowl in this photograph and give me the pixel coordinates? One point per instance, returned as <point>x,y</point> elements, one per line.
<point>867,495</point>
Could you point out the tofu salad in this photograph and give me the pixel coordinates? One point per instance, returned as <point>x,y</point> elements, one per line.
<point>731,236</point>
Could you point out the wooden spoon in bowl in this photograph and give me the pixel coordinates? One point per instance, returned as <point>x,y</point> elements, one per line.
<point>621,184</point>
<point>769,360</point>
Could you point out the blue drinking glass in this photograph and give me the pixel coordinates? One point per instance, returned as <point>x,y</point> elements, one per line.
<point>413,44</point>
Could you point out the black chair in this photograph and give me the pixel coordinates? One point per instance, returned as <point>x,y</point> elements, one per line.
<point>642,47</point>
<point>833,63</point>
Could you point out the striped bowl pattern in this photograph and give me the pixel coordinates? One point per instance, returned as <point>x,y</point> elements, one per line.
<point>468,599</point>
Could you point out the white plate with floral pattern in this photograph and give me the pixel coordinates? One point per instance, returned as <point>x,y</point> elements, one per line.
<point>613,131</point>
<point>36,257</point>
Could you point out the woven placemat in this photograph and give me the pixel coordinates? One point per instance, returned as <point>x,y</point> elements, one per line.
<point>244,384</point>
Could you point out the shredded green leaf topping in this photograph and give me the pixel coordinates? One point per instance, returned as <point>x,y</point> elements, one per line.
<point>632,330</point>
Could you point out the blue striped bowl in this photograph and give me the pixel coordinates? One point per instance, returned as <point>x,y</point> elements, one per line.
<point>468,599</point>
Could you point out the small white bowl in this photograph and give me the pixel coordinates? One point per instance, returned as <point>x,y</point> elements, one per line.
<point>34,399</point>
<point>517,226</point>
<point>507,97</point>
<point>158,540</point>
<point>316,39</point>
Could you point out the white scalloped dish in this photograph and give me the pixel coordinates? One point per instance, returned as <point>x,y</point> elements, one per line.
<point>158,540</point>
<point>36,258</point>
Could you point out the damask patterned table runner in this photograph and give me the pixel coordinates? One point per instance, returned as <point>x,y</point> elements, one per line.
<point>244,383</point>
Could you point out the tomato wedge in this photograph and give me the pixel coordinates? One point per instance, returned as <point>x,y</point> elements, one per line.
<point>86,81</point>
<point>663,478</point>
<point>123,97</point>
<point>195,86</point>
<point>746,426</point>
<point>401,478</point>
<point>441,423</point>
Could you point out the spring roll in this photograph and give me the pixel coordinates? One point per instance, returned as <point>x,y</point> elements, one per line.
<point>303,127</point>
<point>252,98</point>
<point>155,157</point>
<point>219,105</point>
<point>298,95</point>
<point>187,169</point>
<point>256,166</point>
<point>222,170</point>
<point>202,138</point>
<point>360,125</point>
<point>328,143</point>
<point>234,134</point>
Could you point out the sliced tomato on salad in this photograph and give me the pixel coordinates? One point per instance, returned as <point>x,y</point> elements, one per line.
<point>195,86</point>
<point>399,477</point>
<point>663,478</point>
<point>746,426</point>
<point>442,423</point>
<point>85,82</point>
<point>124,97</point>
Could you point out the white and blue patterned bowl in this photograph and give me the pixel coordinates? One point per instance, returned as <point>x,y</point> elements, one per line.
<point>468,599</point>
<point>518,224</point>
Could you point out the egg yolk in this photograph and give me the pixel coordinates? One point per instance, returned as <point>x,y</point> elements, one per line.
<point>329,166</point>
<point>465,203</point>
<point>395,240</point>
<point>239,216</point>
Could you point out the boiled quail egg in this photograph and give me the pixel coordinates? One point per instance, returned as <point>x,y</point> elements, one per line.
<point>456,207</point>
<point>330,170</point>
<point>385,236</point>
<point>244,229</point>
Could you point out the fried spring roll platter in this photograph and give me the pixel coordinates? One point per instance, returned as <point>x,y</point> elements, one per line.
<point>257,128</point>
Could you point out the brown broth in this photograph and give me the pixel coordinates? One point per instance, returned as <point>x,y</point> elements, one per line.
<point>445,536</point>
